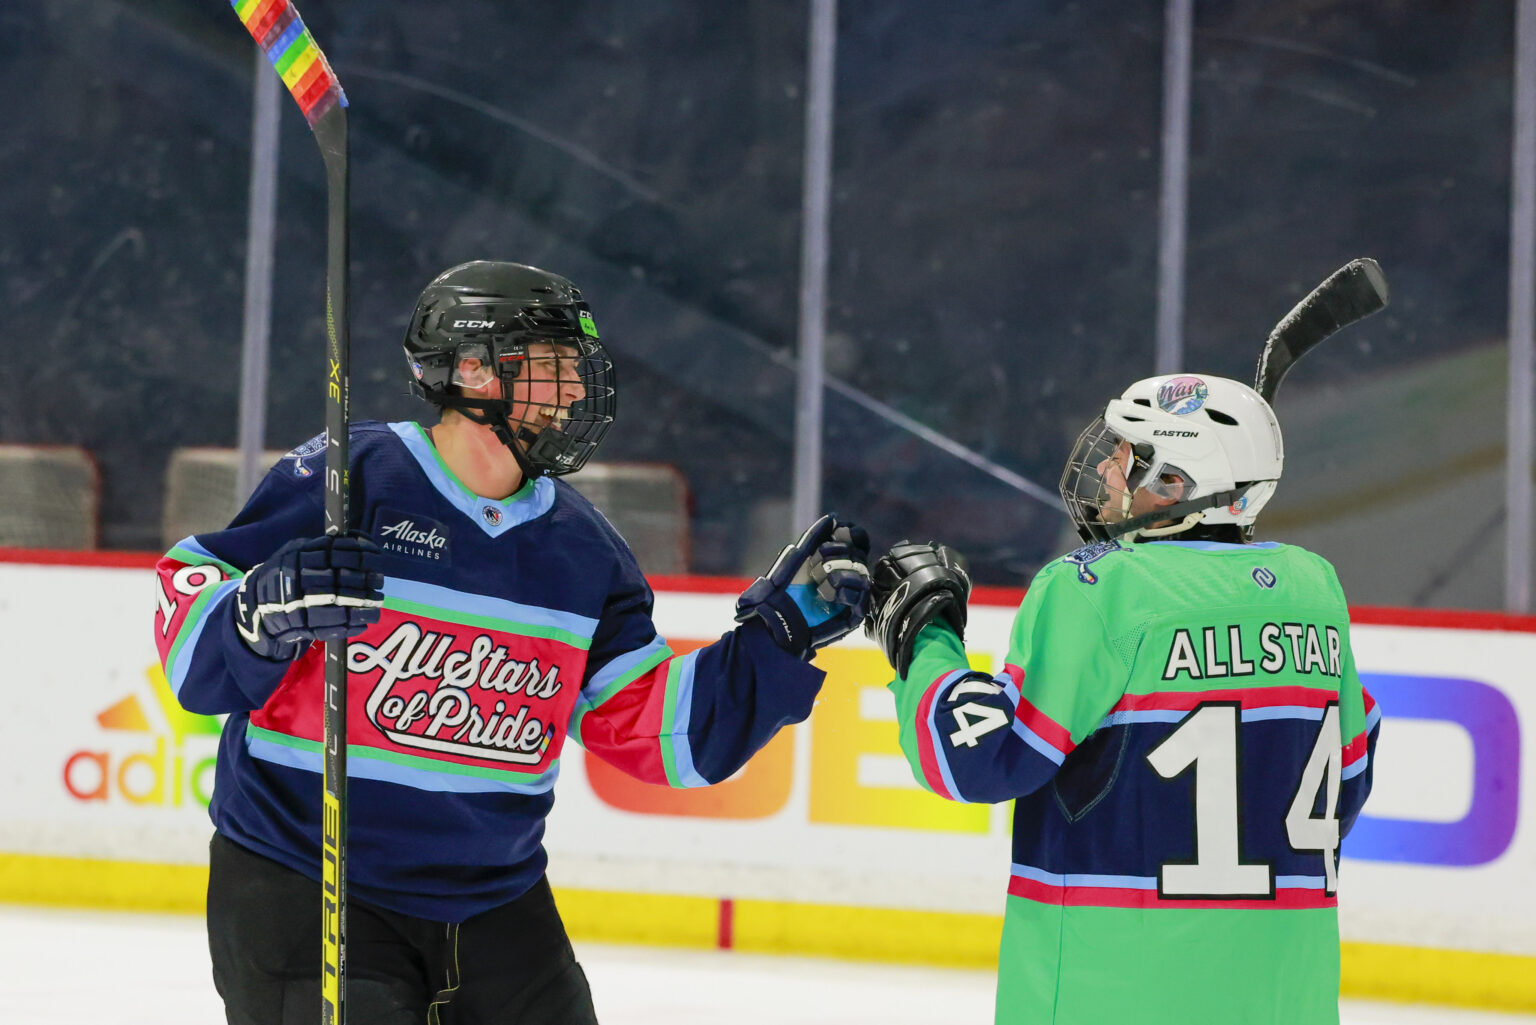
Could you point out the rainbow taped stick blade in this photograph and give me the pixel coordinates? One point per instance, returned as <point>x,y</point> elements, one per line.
<point>1351,293</point>
<point>280,32</point>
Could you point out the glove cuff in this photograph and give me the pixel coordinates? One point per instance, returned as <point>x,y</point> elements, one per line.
<point>779,614</point>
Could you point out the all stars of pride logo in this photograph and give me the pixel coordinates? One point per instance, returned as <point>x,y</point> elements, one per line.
<point>172,763</point>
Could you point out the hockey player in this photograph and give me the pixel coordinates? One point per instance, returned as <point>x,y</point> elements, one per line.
<point>494,612</point>
<point>1179,721</point>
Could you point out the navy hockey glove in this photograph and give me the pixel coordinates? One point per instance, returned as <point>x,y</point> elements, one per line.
<point>314,589</point>
<point>817,590</point>
<point>911,586</point>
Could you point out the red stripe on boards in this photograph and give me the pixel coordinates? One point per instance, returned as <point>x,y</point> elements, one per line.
<point>725,930</point>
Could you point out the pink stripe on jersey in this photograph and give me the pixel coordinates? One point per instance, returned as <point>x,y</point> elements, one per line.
<point>1254,697</point>
<point>1286,899</point>
<point>1044,727</point>
<point>927,757</point>
<point>1355,749</point>
<point>1036,721</point>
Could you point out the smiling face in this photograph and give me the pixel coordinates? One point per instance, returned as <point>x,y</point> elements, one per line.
<point>547,385</point>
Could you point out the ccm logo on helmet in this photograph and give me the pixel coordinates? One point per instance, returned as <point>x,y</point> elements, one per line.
<point>474,323</point>
<point>1176,434</point>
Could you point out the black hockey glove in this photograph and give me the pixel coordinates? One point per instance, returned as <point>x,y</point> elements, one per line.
<point>910,586</point>
<point>315,589</point>
<point>817,590</point>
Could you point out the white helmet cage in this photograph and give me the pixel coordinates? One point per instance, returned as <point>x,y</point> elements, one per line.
<point>1209,445</point>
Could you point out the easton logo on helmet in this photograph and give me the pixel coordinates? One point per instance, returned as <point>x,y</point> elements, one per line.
<point>1182,395</point>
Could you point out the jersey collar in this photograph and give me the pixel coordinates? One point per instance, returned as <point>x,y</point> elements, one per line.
<point>494,516</point>
<point>1217,546</point>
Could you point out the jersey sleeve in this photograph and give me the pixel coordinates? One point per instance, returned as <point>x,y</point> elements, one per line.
<point>684,720</point>
<point>209,668</point>
<point>972,738</point>
<point>1359,726</point>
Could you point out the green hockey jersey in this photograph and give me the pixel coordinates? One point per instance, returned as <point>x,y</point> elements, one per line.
<point>1187,741</point>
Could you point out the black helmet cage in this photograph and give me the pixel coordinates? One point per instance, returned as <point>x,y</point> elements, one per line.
<point>499,333</point>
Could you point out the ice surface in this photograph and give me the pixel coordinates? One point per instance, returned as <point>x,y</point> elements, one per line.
<point>94,968</point>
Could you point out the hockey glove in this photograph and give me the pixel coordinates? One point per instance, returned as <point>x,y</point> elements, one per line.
<point>911,586</point>
<point>817,590</point>
<point>315,589</point>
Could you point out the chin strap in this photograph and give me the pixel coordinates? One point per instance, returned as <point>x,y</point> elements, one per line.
<point>492,413</point>
<point>1191,513</point>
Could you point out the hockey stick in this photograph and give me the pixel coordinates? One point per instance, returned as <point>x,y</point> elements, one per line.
<point>1353,292</point>
<point>279,31</point>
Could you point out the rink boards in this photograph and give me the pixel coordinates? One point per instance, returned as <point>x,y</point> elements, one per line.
<point>823,844</point>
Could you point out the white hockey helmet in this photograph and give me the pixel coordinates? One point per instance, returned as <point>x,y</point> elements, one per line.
<point>1206,449</point>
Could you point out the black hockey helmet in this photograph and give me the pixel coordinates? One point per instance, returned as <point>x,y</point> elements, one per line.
<point>531,329</point>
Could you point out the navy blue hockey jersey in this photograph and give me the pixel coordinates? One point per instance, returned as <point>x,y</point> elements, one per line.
<point>507,626</point>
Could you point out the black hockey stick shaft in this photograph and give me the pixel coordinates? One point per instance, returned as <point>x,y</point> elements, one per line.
<point>1353,292</point>
<point>331,133</point>
<point>280,32</point>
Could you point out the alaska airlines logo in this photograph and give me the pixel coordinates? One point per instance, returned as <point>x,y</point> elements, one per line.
<point>417,537</point>
<point>430,696</point>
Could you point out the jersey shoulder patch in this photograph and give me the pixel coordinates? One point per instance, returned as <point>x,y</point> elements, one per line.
<point>1087,555</point>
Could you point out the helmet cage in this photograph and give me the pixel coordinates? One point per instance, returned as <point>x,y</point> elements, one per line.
<point>1100,508</point>
<point>541,354</point>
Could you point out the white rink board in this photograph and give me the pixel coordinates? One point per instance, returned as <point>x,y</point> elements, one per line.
<point>829,817</point>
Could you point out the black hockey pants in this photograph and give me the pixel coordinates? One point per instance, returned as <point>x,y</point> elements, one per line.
<point>512,965</point>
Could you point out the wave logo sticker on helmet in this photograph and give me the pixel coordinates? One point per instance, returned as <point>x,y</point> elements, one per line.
<point>312,447</point>
<point>1091,553</point>
<point>1264,578</point>
<point>1237,507</point>
<point>1182,395</point>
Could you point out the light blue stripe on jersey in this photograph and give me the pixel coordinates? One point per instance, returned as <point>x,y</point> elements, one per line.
<point>619,667</point>
<point>1372,718</point>
<point>178,675</point>
<point>361,766</point>
<point>1283,712</point>
<point>1356,767</point>
<point>493,516</point>
<point>1038,743</point>
<point>1300,882</point>
<point>1115,882</point>
<point>1029,736</point>
<point>191,544</point>
<point>682,753</point>
<point>1216,546</point>
<point>1174,715</point>
<point>481,605</point>
<point>940,751</point>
